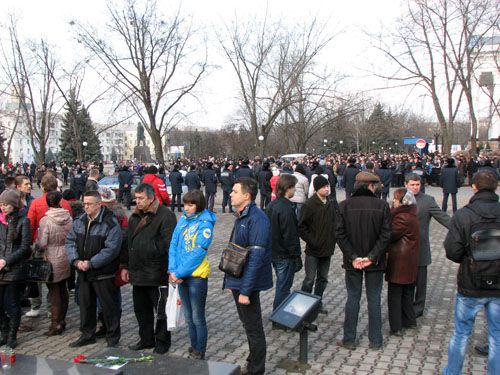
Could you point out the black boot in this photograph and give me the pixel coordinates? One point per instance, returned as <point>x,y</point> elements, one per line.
<point>4,330</point>
<point>12,334</point>
<point>163,337</point>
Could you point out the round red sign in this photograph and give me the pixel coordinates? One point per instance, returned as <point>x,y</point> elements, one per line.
<point>420,143</point>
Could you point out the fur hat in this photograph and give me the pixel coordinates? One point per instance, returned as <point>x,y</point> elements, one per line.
<point>12,197</point>
<point>367,177</point>
<point>319,182</point>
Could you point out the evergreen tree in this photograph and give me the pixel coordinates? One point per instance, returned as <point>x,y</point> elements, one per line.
<point>77,128</point>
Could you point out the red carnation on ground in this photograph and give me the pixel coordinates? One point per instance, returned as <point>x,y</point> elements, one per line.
<point>79,358</point>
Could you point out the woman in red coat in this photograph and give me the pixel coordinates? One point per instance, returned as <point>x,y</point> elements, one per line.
<point>402,261</point>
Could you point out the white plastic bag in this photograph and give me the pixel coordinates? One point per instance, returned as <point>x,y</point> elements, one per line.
<point>173,308</point>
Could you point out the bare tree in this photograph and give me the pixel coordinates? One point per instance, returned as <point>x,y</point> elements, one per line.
<point>472,21</point>
<point>268,61</point>
<point>150,61</point>
<point>25,66</point>
<point>420,49</point>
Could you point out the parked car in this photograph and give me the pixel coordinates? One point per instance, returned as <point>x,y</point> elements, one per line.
<point>112,183</point>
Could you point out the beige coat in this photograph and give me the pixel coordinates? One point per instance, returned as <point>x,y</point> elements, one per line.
<point>52,233</point>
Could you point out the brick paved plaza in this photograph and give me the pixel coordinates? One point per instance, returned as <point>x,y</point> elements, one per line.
<point>421,351</point>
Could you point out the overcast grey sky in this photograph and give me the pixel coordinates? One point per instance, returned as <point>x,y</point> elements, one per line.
<point>349,53</point>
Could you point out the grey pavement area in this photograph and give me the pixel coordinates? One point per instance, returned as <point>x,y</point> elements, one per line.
<point>420,351</point>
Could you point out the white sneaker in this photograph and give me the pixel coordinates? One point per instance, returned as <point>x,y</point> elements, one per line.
<point>32,313</point>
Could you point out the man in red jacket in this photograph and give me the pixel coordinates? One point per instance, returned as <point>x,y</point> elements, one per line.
<point>152,178</point>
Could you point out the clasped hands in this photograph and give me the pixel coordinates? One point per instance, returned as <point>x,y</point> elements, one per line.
<point>82,265</point>
<point>361,263</point>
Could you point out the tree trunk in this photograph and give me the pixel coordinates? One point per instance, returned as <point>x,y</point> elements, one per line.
<point>156,139</point>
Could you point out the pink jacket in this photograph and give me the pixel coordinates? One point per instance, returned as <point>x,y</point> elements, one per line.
<point>52,233</point>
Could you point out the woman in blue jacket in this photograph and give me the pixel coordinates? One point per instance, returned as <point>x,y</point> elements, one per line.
<point>189,268</point>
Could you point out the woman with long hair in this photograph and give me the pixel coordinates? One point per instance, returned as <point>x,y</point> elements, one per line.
<point>15,247</point>
<point>402,261</point>
<point>188,266</point>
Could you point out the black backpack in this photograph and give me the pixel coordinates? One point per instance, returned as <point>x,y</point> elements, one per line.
<point>484,246</point>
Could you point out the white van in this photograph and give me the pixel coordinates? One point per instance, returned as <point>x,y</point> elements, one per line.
<point>292,157</point>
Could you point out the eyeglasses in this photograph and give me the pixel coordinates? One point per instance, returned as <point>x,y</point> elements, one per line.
<point>90,203</point>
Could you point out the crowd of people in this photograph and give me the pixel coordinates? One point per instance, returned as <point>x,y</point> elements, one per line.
<point>96,245</point>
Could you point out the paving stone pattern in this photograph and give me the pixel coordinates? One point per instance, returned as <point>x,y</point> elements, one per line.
<point>420,351</point>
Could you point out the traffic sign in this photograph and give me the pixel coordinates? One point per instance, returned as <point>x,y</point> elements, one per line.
<point>420,143</point>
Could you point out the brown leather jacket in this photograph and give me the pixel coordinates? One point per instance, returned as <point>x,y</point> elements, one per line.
<point>402,257</point>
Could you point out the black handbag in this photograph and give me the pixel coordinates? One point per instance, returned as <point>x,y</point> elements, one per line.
<point>233,259</point>
<point>38,270</point>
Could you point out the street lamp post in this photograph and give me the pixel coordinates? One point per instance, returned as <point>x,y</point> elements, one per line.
<point>84,144</point>
<point>325,143</point>
<point>261,146</point>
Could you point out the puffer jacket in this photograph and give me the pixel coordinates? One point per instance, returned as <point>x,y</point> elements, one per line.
<point>301,188</point>
<point>149,233</point>
<point>253,230</point>
<point>187,255</point>
<point>52,233</point>
<point>98,242</point>
<point>159,185</point>
<point>19,251</point>
<point>402,256</point>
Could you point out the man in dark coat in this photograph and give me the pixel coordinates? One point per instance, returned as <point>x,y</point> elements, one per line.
<point>77,183</point>
<point>192,179</point>
<point>363,234</point>
<point>317,229</point>
<point>349,177</point>
<point>93,247</point>
<point>385,175</point>
<point>450,182</point>
<point>264,180</point>
<point>91,183</point>
<point>427,209</point>
<point>145,263</point>
<point>244,170</point>
<point>209,179</point>
<point>176,181</point>
<point>285,235</point>
<point>125,181</point>
<point>471,296</point>
<point>227,182</point>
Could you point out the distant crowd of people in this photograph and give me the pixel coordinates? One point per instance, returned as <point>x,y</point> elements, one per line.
<point>95,245</point>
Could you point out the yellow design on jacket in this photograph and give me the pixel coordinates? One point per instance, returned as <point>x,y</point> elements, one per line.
<point>190,235</point>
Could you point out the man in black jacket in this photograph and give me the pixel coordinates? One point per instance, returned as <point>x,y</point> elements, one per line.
<point>125,181</point>
<point>450,182</point>
<point>285,236</point>
<point>363,233</point>
<point>91,183</point>
<point>475,291</point>
<point>226,183</point>
<point>93,247</point>
<point>264,179</point>
<point>209,179</point>
<point>145,265</point>
<point>176,181</point>
<point>349,177</point>
<point>317,229</point>
<point>192,179</point>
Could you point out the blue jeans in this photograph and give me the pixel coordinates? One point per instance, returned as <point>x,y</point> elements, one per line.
<point>373,286</point>
<point>193,293</point>
<point>285,270</point>
<point>466,309</point>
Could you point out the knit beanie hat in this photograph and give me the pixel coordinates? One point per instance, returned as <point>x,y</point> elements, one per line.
<point>11,196</point>
<point>319,181</point>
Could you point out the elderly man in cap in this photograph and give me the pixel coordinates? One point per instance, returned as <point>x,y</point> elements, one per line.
<point>317,229</point>
<point>363,233</point>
